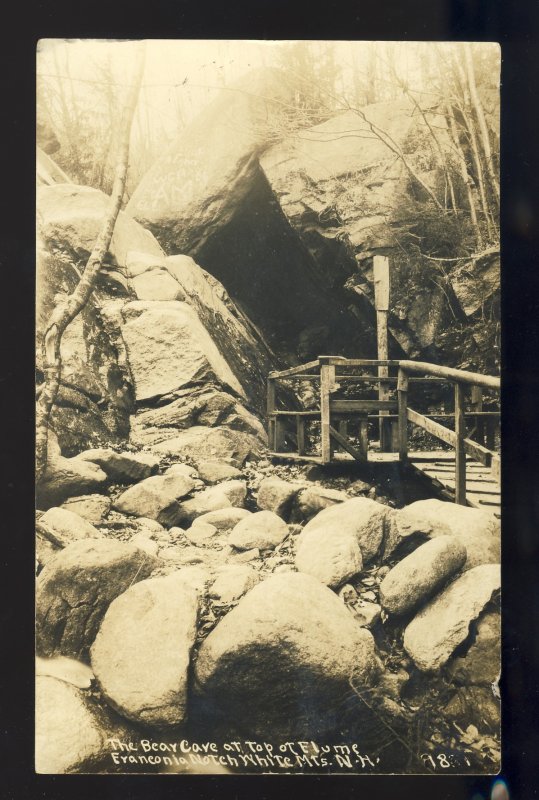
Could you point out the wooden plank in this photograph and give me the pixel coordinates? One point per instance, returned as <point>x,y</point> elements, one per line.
<point>363,405</point>
<point>364,435</point>
<point>460,451</point>
<point>357,454</point>
<point>486,487</point>
<point>381,284</point>
<point>270,399</point>
<point>495,468</point>
<point>444,434</point>
<point>300,428</point>
<point>477,451</point>
<point>278,438</point>
<point>327,380</point>
<point>460,375</point>
<point>402,397</point>
<point>313,376</point>
<point>314,413</point>
<point>358,362</point>
<point>293,370</point>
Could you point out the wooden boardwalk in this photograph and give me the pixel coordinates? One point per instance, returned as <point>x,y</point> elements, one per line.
<point>482,489</point>
<point>435,467</point>
<point>468,473</point>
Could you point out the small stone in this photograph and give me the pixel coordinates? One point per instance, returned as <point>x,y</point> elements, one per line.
<point>315,499</point>
<point>232,582</point>
<point>202,534</point>
<point>368,596</point>
<point>283,568</point>
<point>347,593</point>
<point>224,519</point>
<point>182,555</point>
<point>264,530</point>
<point>143,542</point>
<point>223,495</point>
<point>277,495</point>
<point>93,507</point>
<point>183,469</point>
<point>367,614</point>
<point>392,683</point>
<point>214,471</point>
<point>245,556</point>
<point>66,526</point>
<point>359,487</point>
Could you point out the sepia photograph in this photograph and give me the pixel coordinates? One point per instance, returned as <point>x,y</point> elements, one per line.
<point>268,452</point>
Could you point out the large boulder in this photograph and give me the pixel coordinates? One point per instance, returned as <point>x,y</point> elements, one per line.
<point>67,477</point>
<point>157,284</point>
<point>71,216</point>
<point>206,161</point>
<point>245,350</point>
<point>75,589</point>
<point>168,348</point>
<point>280,663</point>
<point>263,530</point>
<point>157,497</point>
<point>478,530</point>
<point>197,405</point>
<point>480,665</point>
<point>215,498</point>
<point>277,495</point>
<point>201,443</point>
<point>336,543</point>
<point>414,579</point>
<point>122,467</point>
<point>64,527</point>
<point>439,628</point>
<point>212,472</point>
<point>72,732</point>
<point>141,654</point>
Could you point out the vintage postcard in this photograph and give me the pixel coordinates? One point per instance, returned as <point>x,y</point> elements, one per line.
<point>267,444</point>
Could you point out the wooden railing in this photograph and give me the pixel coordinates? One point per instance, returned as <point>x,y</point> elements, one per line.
<point>457,439</point>
<point>393,415</point>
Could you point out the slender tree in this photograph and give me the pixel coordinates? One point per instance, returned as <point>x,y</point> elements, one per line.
<point>69,308</point>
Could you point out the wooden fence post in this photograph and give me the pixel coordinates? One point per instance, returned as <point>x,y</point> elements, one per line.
<point>270,408</point>
<point>300,428</point>
<point>402,395</point>
<point>327,380</point>
<point>381,301</point>
<point>477,405</point>
<point>460,453</point>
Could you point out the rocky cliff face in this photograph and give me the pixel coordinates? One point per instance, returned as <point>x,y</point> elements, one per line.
<point>160,336</point>
<point>291,228</point>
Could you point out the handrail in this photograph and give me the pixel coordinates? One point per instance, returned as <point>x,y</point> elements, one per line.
<point>458,375</point>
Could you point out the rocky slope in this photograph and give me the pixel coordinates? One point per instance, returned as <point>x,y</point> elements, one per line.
<point>196,610</point>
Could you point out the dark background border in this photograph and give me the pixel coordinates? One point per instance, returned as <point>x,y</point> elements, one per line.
<point>515,26</point>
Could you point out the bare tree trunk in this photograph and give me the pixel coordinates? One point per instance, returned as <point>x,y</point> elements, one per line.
<point>470,125</point>
<point>69,308</point>
<point>478,107</point>
<point>464,173</point>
